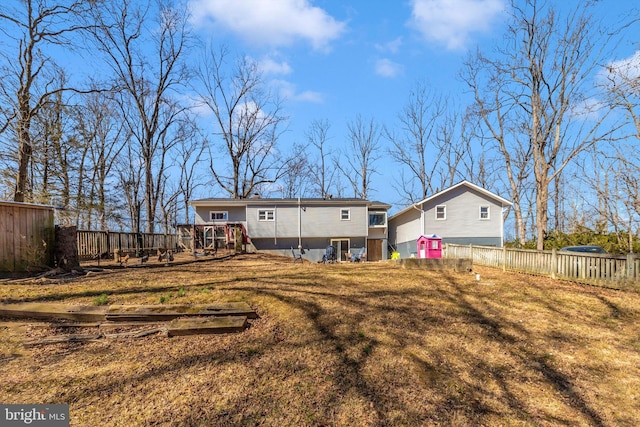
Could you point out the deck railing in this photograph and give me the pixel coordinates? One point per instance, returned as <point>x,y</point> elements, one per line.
<point>598,269</point>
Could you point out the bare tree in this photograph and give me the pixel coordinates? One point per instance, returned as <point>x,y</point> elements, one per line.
<point>495,110</point>
<point>27,79</point>
<point>296,178</point>
<point>364,150</point>
<point>105,134</point>
<point>414,146</point>
<point>622,85</point>
<point>538,90</point>
<point>190,151</point>
<point>149,71</point>
<point>247,120</point>
<point>321,171</point>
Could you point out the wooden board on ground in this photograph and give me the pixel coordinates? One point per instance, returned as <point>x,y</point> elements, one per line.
<point>63,339</point>
<point>215,325</point>
<point>35,310</point>
<point>150,313</point>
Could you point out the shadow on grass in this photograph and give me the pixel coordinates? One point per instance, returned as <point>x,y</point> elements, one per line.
<point>407,315</point>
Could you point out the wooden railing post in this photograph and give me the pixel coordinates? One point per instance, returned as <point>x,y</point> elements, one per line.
<point>631,274</point>
<point>504,258</point>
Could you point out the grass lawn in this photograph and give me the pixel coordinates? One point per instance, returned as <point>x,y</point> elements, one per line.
<point>367,344</point>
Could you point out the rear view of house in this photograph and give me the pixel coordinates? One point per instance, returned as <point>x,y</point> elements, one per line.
<point>277,225</point>
<point>463,214</point>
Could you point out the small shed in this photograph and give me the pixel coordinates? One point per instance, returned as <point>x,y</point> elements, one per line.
<point>27,237</point>
<point>430,246</point>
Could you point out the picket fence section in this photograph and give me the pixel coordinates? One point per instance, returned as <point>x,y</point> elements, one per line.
<point>598,269</point>
<point>104,243</point>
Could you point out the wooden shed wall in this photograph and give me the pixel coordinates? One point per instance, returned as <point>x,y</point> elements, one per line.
<point>27,237</point>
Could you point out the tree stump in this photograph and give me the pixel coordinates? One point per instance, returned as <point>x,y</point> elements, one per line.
<point>66,248</point>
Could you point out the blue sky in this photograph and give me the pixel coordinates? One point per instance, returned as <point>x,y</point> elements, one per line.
<point>334,60</point>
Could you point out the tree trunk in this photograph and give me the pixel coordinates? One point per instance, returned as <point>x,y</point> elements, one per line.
<point>66,248</point>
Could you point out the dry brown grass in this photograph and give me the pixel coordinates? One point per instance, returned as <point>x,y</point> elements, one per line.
<point>346,345</point>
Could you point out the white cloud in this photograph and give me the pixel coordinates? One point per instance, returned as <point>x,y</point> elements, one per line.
<point>269,65</point>
<point>288,91</point>
<point>392,46</point>
<point>588,109</point>
<point>451,22</point>
<point>387,68</point>
<point>622,73</point>
<point>270,22</point>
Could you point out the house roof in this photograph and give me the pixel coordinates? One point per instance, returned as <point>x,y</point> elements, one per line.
<point>288,202</point>
<point>500,200</point>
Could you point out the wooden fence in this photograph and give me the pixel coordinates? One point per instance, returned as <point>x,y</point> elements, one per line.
<point>104,243</point>
<point>27,237</point>
<point>597,269</point>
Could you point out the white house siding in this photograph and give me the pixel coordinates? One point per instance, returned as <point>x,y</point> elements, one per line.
<point>463,221</point>
<point>325,221</point>
<point>285,223</point>
<point>404,231</point>
<point>314,223</point>
<point>462,224</point>
<point>237,214</point>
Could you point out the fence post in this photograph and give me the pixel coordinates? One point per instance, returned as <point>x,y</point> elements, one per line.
<point>554,262</point>
<point>471,252</point>
<point>504,258</point>
<point>631,274</point>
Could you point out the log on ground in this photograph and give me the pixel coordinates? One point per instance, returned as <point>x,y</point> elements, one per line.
<point>215,325</point>
<point>150,313</point>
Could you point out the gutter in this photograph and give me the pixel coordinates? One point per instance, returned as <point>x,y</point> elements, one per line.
<point>415,206</point>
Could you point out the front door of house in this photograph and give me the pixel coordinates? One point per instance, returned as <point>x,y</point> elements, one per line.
<point>341,247</point>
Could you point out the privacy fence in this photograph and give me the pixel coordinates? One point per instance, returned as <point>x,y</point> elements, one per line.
<point>27,236</point>
<point>92,244</point>
<point>620,272</point>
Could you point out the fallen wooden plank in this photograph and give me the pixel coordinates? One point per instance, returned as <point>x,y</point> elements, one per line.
<point>72,324</point>
<point>109,324</point>
<point>135,334</point>
<point>151,313</point>
<point>62,339</point>
<point>132,313</point>
<point>215,325</point>
<point>34,310</point>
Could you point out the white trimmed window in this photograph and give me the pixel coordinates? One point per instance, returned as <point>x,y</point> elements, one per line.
<point>219,215</point>
<point>266,214</point>
<point>345,214</point>
<point>377,219</point>
<point>484,212</point>
<point>441,212</point>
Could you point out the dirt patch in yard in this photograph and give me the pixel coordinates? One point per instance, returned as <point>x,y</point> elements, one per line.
<point>348,344</point>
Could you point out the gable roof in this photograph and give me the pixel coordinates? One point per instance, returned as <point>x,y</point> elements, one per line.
<point>503,202</point>
<point>289,202</point>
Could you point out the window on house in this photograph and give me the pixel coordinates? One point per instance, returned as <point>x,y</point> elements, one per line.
<point>266,214</point>
<point>441,212</point>
<point>377,219</point>
<point>484,212</point>
<point>219,215</point>
<point>345,214</point>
